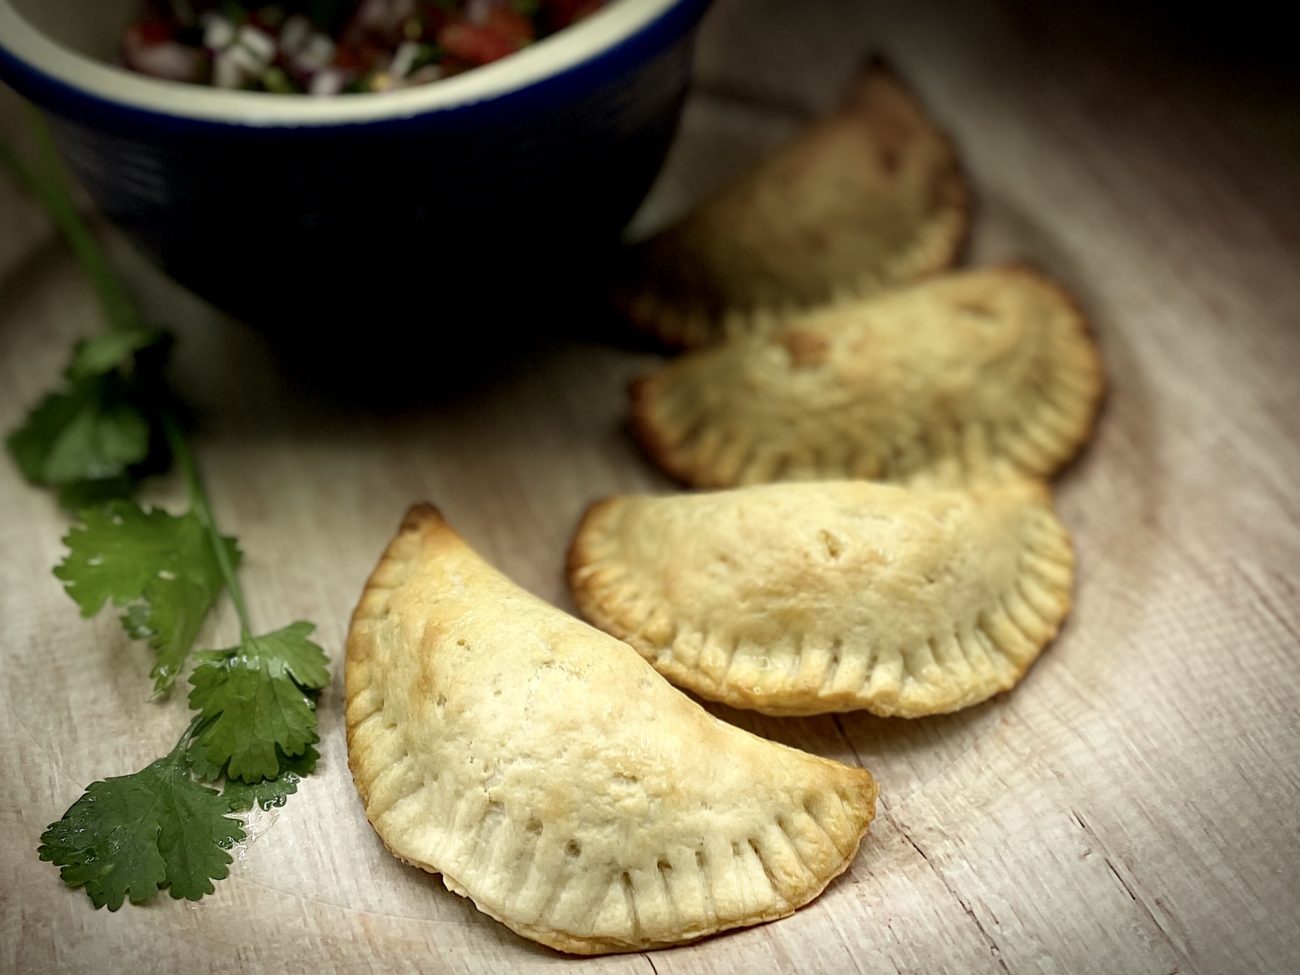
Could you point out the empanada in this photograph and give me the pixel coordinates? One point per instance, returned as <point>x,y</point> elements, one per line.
<point>550,775</point>
<point>957,379</point>
<point>830,596</point>
<point>865,198</point>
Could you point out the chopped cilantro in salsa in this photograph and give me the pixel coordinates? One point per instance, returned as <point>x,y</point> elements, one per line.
<point>330,47</point>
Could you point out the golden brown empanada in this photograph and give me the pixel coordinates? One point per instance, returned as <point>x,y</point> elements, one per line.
<point>550,775</point>
<point>866,198</point>
<point>830,596</point>
<point>957,379</point>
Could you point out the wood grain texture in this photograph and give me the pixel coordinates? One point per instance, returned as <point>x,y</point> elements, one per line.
<point>1133,807</point>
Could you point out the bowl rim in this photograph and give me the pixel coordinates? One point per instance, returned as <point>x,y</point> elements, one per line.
<point>601,34</point>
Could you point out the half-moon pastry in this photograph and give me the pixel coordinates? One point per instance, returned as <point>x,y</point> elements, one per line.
<point>805,598</point>
<point>551,776</point>
<point>956,379</point>
<point>865,198</point>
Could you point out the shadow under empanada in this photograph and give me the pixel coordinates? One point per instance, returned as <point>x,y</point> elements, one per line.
<point>903,753</point>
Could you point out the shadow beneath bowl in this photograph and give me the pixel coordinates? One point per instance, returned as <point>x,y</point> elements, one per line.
<point>433,335</point>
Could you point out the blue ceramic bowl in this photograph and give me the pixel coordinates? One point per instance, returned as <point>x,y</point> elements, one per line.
<point>294,210</point>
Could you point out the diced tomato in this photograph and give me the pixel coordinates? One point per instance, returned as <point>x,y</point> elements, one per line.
<point>512,24</point>
<point>504,33</point>
<point>151,31</point>
<point>433,17</point>
<point>559,14</point>
<point>456,35</point>
<point>348,56</point>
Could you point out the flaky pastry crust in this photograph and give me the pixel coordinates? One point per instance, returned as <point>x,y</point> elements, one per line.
<point>551,776</point>
<point>866,198</point>
<point>807,598</point>
<point>967,377</point>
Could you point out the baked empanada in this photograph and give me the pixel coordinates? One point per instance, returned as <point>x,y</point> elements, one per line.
<point>830,596</point>
<point>551,776</point>
<point>957,379</point>
<point>865,198</point>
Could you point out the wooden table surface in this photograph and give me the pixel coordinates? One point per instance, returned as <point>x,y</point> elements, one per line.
<point>1134,806</point>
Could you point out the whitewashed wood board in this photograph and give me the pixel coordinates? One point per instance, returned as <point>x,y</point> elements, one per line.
<point>1132,807</point>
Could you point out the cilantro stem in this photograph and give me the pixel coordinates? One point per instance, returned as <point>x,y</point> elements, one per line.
<point>179,748</point>
<point>49,184</point>
<point>9,159</point>
<point>202,509</point>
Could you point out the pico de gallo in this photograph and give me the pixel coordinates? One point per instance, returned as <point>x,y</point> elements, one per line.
<point>331,47</point>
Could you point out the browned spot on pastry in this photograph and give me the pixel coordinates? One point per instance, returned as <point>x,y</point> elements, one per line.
<point>977,308</point>
<point>806,349</point>
<point>962,378</point>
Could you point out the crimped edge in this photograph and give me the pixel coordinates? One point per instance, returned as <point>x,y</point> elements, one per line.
<point>795,701</point>
<point>1084,366</point>
<point>423,519</point>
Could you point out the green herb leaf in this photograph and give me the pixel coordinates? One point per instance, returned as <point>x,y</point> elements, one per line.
<point>86,438</point>
<point>161,567</point>
<point>241,796</point>
<point>111,350</point>
<point>257,702</point>
<point>132,835</point>
<point>114,421</point>
<point>80,495</point>
<point>89,432</point>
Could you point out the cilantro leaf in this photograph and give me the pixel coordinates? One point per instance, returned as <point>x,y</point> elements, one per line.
<point>89,438</point>
<point>257,702</point>
<point>241,796</point>
<point>113,421</point>
<point>80,495</point>
<point>285,651</point>
<point>161,567</point>
<point>111,350</point>
<point>254,716</point>
<point>130,836</point>
<point>89,432</point>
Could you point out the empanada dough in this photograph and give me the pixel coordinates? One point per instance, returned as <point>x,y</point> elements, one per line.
<point>865,198</point>
<point>550,775</point>
<point>830,596</point>
<point>957,379</point>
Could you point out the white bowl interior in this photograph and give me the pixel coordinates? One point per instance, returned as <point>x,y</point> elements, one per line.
<point>75,41</point>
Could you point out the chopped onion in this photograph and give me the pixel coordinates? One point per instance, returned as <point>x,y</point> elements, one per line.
<point>258,43</point>
<point>430,72</point>
<point>295,34</point>
<point>404,59</point>
<point>227,72</point>
<point>317,54</point>
<point>218,32</point>
<point>328,82</point>
<point>288,46</point>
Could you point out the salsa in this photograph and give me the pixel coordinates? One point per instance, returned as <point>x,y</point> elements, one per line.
<point>331,47</point>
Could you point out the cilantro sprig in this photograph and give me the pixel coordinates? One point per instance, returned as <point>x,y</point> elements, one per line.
<point>161,567</point>
<point>111,422</point>
<point>257,702</point>
<point>131,835</point>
